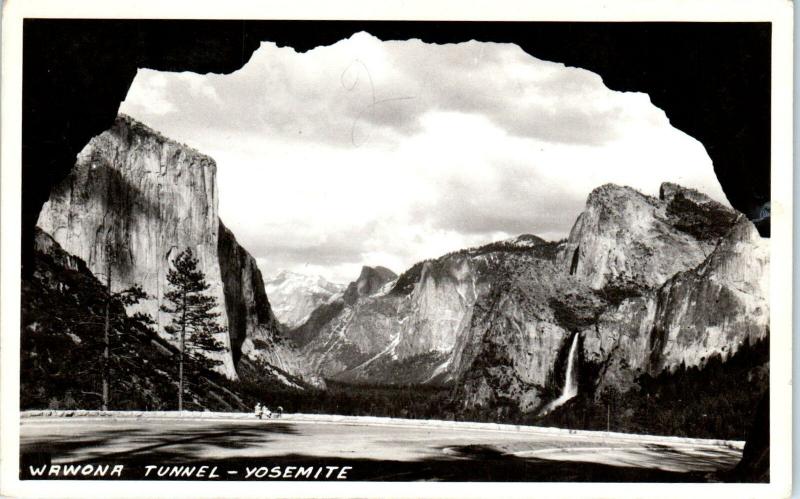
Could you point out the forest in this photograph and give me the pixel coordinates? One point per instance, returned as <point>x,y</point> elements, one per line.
<point>716,400</point>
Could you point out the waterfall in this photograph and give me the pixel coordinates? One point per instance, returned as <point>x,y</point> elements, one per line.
<point>570,379</point>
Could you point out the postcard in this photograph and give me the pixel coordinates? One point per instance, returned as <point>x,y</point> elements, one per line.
<point>406,250</point>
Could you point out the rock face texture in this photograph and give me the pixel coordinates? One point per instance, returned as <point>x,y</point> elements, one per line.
<point>710,309</point>
<point>62,318</point>
<point>623,234</point>
<point>642,285</point>
<point>294,296</point>
<point>357,325</point>
<point>707,309</point>
<point>246,306</point>
<point>716,306</point>
<point>369,282</point>
<point>136,199</point>
<point>468,317</point>
<point>516,336</point>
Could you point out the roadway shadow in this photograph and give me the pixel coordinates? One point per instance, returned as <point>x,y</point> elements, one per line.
<point>701,458</point>
<point>466,463</point>
<point>181,445</point>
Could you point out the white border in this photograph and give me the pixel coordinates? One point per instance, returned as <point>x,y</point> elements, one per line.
<point>779,12</point>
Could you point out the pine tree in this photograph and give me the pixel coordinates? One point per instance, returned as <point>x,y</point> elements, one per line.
<point>194,320</point>
<point>126,297</point>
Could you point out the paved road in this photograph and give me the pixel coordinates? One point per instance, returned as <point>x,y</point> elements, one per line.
<point>374,452</point>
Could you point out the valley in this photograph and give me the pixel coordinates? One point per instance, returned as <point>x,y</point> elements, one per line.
<point>648,318</point>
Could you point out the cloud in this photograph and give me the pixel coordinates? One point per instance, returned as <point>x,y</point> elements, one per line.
<point>385,153</point>
<point>335,93</point>
<point>513,203</point>
<point>333,248</point>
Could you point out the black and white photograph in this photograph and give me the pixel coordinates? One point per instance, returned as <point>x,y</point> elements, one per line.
<point>260,256</point>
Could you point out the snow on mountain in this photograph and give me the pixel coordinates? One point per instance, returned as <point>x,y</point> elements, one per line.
<point>524,241</point>
<point>642,285</point>
<point>294,296</point>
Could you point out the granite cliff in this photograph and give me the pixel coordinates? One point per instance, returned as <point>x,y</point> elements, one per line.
<point>642,285</point>
<point>62,317</point>
<point>425,325</point>
<point>132,202</point>
<point>623,234</point>
<point>711,309</point>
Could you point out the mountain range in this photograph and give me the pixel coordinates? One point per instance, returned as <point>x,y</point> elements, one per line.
<point>642,286</point>
<point>294,296</point>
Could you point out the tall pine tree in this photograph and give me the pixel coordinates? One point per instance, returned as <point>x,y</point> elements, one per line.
<point>194,319</point>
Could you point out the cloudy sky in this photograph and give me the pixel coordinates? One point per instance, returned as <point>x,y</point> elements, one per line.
<point>383,153</point>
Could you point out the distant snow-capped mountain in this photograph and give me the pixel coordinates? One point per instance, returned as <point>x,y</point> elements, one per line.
<point>642,285</point>
<point>294,296</point>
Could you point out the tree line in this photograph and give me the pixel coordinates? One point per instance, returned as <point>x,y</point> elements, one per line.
<point>702,401</point>
<point>194,326</point>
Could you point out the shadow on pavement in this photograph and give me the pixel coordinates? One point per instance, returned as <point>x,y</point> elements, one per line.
<point>460,463</point>
<point>175,446</point>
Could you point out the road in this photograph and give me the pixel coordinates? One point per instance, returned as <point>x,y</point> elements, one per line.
<point>383,451</point>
